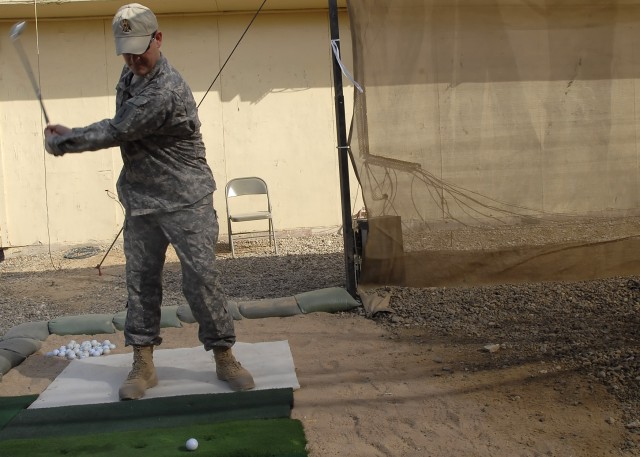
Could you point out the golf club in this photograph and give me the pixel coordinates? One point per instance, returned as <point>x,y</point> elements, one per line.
<point>16,31</point>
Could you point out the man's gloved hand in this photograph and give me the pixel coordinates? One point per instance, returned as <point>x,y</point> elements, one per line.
<point>51,149</point>
<point>51,132</point>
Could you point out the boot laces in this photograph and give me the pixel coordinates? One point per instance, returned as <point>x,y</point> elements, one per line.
<point>228,363</point>
<point>139,365</point>
<point>233,366</point>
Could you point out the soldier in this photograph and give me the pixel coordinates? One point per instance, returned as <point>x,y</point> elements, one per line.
<point>167,189</point>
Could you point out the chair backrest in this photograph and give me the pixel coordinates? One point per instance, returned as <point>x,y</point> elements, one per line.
<point>246,186</point>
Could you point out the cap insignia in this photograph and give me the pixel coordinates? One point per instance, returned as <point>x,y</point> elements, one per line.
<point>126,27</point>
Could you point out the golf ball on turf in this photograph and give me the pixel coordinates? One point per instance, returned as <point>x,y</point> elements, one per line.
<point>192,444</point>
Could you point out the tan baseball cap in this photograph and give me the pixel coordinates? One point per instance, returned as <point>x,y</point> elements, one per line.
<point>133,26</point>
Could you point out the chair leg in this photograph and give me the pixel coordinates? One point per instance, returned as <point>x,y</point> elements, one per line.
<point>272,232</point>
<point>233,253</point>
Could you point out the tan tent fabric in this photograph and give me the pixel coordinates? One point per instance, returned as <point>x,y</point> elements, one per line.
<point>496,141</point>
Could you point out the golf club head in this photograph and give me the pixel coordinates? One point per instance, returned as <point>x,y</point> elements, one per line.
<point>16,30</point>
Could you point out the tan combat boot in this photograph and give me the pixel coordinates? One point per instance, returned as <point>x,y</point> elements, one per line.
<point>142,376</point>
<point>229,369</point>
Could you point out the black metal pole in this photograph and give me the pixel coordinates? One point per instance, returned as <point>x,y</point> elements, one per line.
<point>343,156</point>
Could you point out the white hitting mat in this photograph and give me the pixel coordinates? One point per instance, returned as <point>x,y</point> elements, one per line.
<point>180,372</point>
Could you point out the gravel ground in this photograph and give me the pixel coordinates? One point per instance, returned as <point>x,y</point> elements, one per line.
<point>304,263</point>
<point>592,326</point>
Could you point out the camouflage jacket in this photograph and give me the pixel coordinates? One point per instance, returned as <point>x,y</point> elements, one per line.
<point>157,128</point>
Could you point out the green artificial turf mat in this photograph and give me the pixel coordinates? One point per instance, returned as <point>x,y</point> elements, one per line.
<point>149,413</point>
<point>11,406</point>
<point>249,438</point>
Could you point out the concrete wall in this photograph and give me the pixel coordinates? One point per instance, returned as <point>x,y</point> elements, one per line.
<point>269,114</point>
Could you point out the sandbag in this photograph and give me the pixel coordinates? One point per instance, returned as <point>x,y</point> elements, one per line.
<point>9,359</point>
<point>89,324</point>
<point>5,365</point>
<point>118,320</point>
<point>34,330</point>
<point>185,315</point>
<point>269,307</point>
<point>329,300</point>
<point>22,346</point>
<point>169,317</point>
<point>233,308</point>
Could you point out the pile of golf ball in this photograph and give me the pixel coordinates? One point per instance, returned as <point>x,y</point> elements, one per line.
<point>74,350</point>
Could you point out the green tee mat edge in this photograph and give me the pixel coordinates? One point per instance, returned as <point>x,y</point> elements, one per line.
<point>247,438</point>
<point>10,406</point>
<point>149,413</point>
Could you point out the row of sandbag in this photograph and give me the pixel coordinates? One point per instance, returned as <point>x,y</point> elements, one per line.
<point>25,339</point>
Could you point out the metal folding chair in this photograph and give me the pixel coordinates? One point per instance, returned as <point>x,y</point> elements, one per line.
<point>247,187</point>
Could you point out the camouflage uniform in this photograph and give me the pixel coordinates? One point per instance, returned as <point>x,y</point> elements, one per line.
<point>166,188</point>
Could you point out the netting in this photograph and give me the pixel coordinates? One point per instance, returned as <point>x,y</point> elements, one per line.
<point>495,141</point>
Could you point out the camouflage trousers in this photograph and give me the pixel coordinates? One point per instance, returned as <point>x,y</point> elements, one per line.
<point>193,233</point>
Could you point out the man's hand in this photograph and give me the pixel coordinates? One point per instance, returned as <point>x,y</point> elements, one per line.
<point>56,129</point>
<point>50,133</point>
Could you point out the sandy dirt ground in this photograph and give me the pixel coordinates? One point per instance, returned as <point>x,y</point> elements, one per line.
<point>367,391</point>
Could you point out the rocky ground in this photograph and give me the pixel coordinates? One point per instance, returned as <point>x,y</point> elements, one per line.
<point>591,327</point>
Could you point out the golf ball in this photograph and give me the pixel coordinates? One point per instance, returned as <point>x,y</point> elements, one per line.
<point>192,444</point>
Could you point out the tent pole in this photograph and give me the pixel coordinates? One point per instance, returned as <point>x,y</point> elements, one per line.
<point>343,156</point>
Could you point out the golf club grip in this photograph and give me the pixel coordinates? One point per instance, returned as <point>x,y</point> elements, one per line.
<point>44,111</point>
